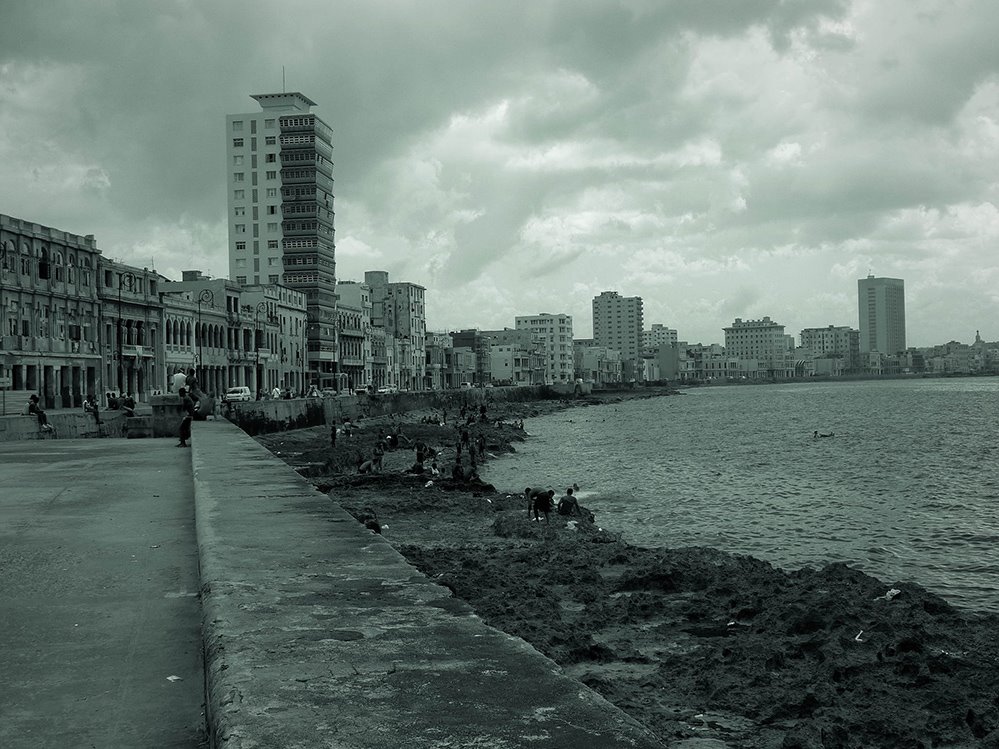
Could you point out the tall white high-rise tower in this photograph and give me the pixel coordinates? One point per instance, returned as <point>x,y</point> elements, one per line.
<point>280,201</point>
<point>881,311</point>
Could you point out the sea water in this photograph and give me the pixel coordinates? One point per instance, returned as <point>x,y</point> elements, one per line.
<point>906,489</point>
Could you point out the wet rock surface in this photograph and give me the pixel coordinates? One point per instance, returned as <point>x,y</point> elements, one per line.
<point>705,647</point>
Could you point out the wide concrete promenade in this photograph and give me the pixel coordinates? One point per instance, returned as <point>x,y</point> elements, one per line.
<point>100,626</point>
<point>318,634</point>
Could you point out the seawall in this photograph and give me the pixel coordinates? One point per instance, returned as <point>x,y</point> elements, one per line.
<point>318,633</point>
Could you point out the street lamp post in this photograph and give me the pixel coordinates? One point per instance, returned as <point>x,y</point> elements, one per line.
<point>256,342</point>
<point>125,279</point>
<point>207,296</point>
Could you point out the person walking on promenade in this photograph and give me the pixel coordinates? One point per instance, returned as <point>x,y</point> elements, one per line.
<point>185,423</point>
<point>333,435</point>
<point>35,409</point>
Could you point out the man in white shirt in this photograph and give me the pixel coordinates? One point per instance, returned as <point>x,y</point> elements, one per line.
<point>179,381</point>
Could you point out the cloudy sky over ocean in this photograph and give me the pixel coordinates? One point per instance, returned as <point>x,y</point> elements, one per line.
<point>721,159</point>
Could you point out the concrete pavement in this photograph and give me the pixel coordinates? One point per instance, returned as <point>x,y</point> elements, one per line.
<point>98,596</point>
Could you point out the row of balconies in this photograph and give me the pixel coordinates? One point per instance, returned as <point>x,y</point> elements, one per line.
<point>41,344</point>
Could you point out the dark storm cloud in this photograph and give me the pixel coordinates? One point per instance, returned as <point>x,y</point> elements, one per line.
<point>708,154</point>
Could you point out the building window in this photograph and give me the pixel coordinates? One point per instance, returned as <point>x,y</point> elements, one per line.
<point>271,210</point>
<point>268,124</point>
<point>241,228</point>
<point>239,211</point>
<point>239,194</point>
<point>273,279</point>
<point>237,126</point>
<point>237,142</point>
<point>272,244</point>
<point>272,227</point>
<point>237,177</point>
<point>240,246</point>
<point>270,158</point>
<point>271,192</point>
<point>270,140</point>
<point>272,175</point>
<point>237,160</point>
<point>241,280</point>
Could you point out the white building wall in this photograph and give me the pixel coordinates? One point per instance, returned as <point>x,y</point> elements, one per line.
<point>553,332</point>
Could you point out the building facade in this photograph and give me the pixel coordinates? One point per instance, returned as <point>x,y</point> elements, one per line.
<point>762,341</point>
<point>354,311</point>
<point>399,308</point>
<point>618,323</point>
<point>553,335</point>
<point>658,335</point>
<point>281,212</point>
<point>516,357</point>
<point>833,342</point>
<point>881,313</point>
<point>50,313</point>
<point>131,322</point>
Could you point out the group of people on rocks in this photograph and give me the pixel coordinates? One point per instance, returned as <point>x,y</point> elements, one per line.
<point>540,503</point>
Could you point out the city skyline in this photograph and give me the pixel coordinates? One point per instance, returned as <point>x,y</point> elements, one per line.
<point>720,162</point>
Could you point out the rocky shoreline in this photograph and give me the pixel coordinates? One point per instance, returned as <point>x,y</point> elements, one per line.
<point>706,648</point>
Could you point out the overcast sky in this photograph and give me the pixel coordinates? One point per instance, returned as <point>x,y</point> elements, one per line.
<point>719,158</point>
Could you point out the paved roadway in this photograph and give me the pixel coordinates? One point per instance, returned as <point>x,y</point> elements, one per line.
<point>99,611</point>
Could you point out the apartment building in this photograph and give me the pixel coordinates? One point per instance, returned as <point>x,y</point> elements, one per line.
<point>50,314</point>
<point>399,308</point>
<point>658,335</point>
<point>281,213</point>
<point>618,324</point>
<point>833,342</point>
<point>763,341</point>
<point>516,357</point>
<point>553,334</point>
<point>354,314</point>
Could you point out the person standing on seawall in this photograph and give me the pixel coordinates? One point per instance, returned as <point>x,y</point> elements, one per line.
<point>185,424</point>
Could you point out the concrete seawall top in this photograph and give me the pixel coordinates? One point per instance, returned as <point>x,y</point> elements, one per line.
<point>319,634</point>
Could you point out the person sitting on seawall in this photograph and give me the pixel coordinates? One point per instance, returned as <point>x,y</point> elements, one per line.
<point>127,404</point>
<point>35,409</point>
<point>91,407</point>
<point>568,505</point>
